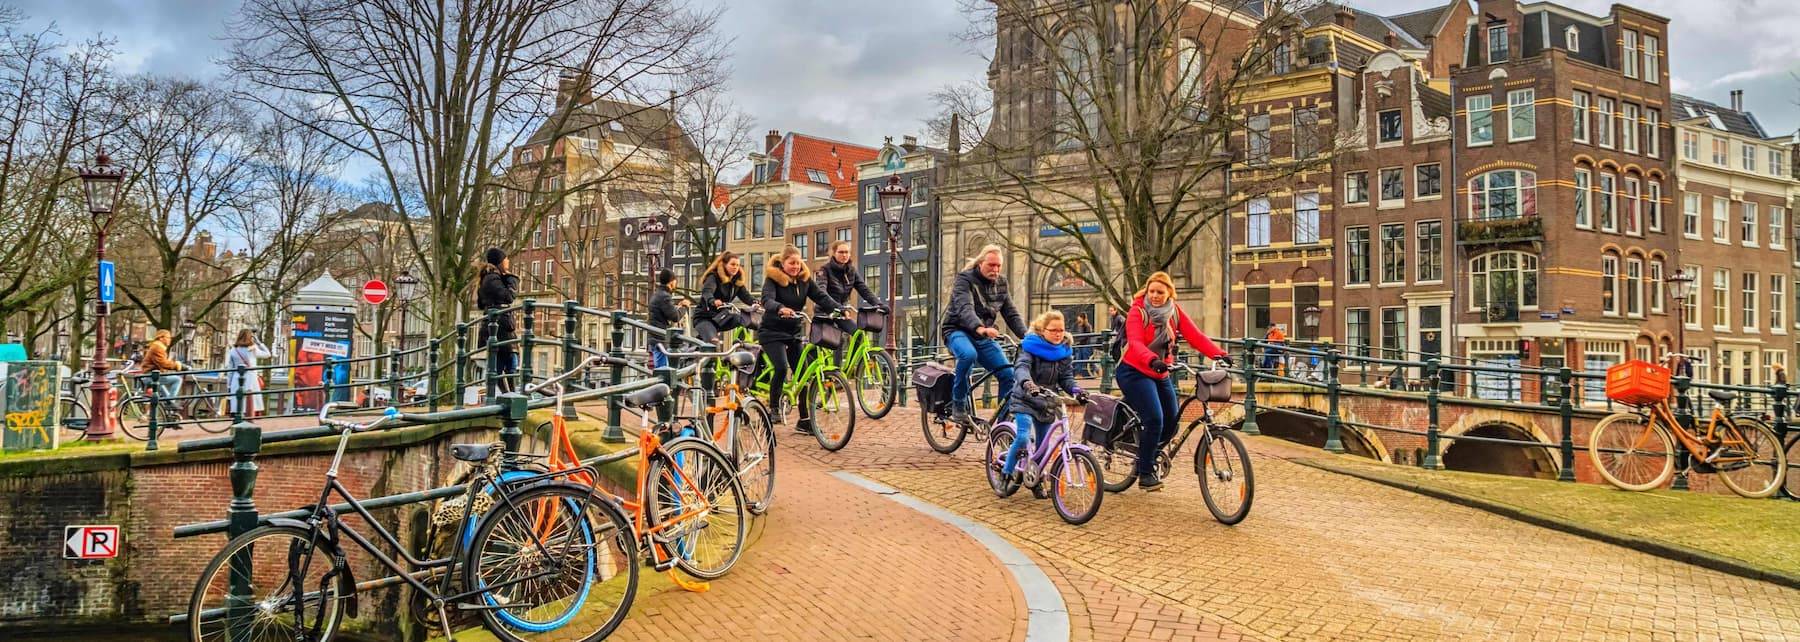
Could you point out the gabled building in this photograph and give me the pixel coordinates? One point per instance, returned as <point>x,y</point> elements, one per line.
<point>920,168</point>
<point>795,171</point>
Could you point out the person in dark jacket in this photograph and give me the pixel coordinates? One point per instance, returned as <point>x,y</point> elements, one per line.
<point>978,302</point>
<point>723,285</point>
<point>1153,331</point>
<point>1116,322</point>
<point>497,288</point>
<point>664,312</point>
<point>787,285</point>
<point>841,280</point>
<point>1045,362</point>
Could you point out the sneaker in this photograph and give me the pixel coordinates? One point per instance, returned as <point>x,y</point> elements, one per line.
<point>803,429</point>
<point>960,414</point>
<point>1150,483</point>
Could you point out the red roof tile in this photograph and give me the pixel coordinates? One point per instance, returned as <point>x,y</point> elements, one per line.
<point>836,160</point>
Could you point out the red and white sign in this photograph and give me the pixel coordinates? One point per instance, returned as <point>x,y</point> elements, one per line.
<point>90,542</point>
<point>375,292</point>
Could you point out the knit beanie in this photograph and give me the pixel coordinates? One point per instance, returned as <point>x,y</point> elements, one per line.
<point>495,256</point>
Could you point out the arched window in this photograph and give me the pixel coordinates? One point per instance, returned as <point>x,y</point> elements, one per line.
<point>1079,114</point>
<point>1503,194</point>
<point>1191,73</point>
<point>1503,283</point>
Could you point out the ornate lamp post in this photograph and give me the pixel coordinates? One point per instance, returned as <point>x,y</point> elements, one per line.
<point>1679,288</point>
<point>893,196</point>
<point>406,286</point>
<point>100,185</point>
<point>654,234</point>
<point>1309,320</point>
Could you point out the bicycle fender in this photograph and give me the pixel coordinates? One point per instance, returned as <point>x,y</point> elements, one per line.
<point>1080,448</point>
<point>339,564</point>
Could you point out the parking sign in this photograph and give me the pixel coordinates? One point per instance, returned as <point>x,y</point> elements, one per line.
<point>90,542</point>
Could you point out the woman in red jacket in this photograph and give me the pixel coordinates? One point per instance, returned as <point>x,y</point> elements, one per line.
<point>1152,328</point>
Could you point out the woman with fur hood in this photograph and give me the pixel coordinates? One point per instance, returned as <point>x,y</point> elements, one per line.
<point>787,285</point>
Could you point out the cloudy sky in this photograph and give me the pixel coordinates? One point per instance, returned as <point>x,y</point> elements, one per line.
<point>859,70</point>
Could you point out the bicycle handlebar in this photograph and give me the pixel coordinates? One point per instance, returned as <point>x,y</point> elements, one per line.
<point>324,417</point>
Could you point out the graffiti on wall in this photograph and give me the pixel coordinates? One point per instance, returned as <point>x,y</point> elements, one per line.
<point>28,400</point>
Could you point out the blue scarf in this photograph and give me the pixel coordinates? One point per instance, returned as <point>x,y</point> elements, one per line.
<point>1043,349</point>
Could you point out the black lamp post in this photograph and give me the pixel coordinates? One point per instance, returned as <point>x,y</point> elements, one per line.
<point>1680,285</point>
<point>654,234</point>
<point>406,287</point>
<point>100,185</point>
<point>893,197</point>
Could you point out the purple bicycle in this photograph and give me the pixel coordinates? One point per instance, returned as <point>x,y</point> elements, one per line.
<point>1071,471</point>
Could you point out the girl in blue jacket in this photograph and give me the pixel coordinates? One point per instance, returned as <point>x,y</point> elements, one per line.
<point>1045,360</point>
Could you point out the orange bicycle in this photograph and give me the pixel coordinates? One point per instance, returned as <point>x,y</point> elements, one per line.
<point>1635,450</point>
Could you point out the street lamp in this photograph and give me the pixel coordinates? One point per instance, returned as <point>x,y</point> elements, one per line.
<point>653,235</point>
<point>100,185</point>
<point>1309,319</point>
<point>406,286</point>
<point>893,197</point>
<point>1679,287</point>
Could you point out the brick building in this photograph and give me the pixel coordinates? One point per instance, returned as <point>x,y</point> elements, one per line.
<point>794,172</point>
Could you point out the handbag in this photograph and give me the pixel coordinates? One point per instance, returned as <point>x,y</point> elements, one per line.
<point>1213,385</point>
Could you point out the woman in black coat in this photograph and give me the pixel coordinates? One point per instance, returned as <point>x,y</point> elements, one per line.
<point>496,291</point>
<point>724,284</point>
<point>787,285</point>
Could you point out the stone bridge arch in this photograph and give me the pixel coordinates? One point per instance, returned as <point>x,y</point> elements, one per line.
<point>1501,459</point>
<point>1311,429</point>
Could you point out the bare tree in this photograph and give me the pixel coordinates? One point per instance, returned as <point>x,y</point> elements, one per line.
<point>299,205</point>
<point>723,138</point>
<point>436,95</point>
<point>1117,126</point>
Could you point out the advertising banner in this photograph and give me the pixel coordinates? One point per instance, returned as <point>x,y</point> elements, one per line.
<point>317,336</point>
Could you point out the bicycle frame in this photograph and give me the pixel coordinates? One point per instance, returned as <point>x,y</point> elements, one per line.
<point>1058,445</point>
<point>1697,445</point>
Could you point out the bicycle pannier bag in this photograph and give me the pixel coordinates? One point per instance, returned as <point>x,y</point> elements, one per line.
<point>1099,419</point>
<point>1214,385</point>
<point>826,334</point>
<point>1638,383</point>
<point>872,320</point>
<point>931,385</point>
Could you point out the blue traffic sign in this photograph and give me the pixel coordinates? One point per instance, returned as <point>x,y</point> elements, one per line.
<point>106,282</point>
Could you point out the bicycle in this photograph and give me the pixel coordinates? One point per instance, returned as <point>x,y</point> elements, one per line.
<point>1221,462</point>
<point>815,389</point>
<point>1633,450</point>
<point>871,366</point>
<point>134,409</point>
<point>539,555</point>
<point>747,436</point>
<point>1069,466</point>
<point>942,433</point>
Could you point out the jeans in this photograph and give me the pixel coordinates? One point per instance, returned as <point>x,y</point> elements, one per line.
<point>658,358</point>
<point>1154,402</point>
<point>968,351</point>
<point>1023,422</point>
<point>168,386</point>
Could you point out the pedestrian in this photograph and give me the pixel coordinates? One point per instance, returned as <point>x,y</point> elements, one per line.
<point>1271,339</point>
<point>156,359</point>
<point>245,353</point>
<point>842,279</point>
<point>787,285</point>
<point>1152,330</point>
<point>496,291</point>
<point>664,312</point>
<point>1045,362</point>
<point>978,303</point>
<point>1116,321</point>
<point>1084,344</point>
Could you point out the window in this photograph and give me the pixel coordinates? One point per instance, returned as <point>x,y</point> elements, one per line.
<point>1653,133</point>
<point>872,275</point>
<point>1777,163</point>
<point>759,219</point>
<point>1629,61</point>
<point>1393,253</point>
<point>1751,281</point>
<point>1778,303</point>
<point>921,278</point>
<point>818,176</point>
<point>1393,186</point>
<point>1634,215</point>
<point>1306,217</point>
<point>1390,129</point>
<point>1657,288</point>
<point>1597,357</point>
<point>921,231</point>
<point>1256,307</point>
<point>800,242</point>
<point>1608,199</point>
<point>873,234</point>
<point>821,243</point>
<point>1580,113</point>
<point>921,191</point>
<point>1702,364</point>
<point>1749,156</point>
<point>1747,227</point>
<point>1690,146</point>
<point>1430,241</point>
<point>871,198</point>
<point>1427,181</point>
<point>1258,136</point>
<point>1306,132</point>
<point>1628,127</point>
<point>1771,359</point>
<point>1726,358</point>
<point>1503,194</point>
<point>1572,39</point>
<point>1603,122</point>
<point>612,246</point>
<point>1777,227</point>
<point>843,234</point>
<point>1583,204</point>
<point>1609,285</point>
<point>1306,296</point>
<point>1497,47</point>
<point>1721,301</point>
<point>1653,205</point>
<point>738,227</point>
<point>1634,287</point>
<point>1393,333</point>
<point>777,220</point>
<point>1502,283</point>
<point>1690,307</point>
<point>1721,151</point>
<point>1257,225</point>
<point>1652,66</point>
<point>1481,120</point>
<point>1356,269</point>
<point>1521,111</point>
<point>1690,215</point>
<point>1356,331</point>
<point>1356,188</point>
<point>1721,233</point>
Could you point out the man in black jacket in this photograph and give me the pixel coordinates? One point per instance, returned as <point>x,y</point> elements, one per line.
<point>978,302</point>
<point>495,292</point>
<point>663,314</point>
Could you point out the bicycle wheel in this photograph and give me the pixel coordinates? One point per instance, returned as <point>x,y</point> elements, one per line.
<point>291,589</point>
<point>134,418</point>
<point>1118,460</point>
<point>999,442</point>
<point>1226,481</point>
<point>942,434</point>
<point>754,452</point>
<point>553,559</point>
<point>832,410</point>
<point>1632,452</point>
<point>877,384</point>
<point>1791,480</point>
<point>205,413</point>
<point>696,510</point>
<point>1075,486</point>
<point>1757,468</point>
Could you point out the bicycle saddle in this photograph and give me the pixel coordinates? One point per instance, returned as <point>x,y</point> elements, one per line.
<point>647,397</point>
<point>474,453</point>
<point>741,359</point>
<point>1721,396</point>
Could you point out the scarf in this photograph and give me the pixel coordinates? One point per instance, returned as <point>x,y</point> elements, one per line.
<point>1043,349</point>
<point>1161,320</point>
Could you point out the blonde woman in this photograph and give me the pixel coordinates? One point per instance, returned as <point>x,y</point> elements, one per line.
<point>1045,361</point>
<point>787,285</point>
<point>724,284</point>
<point>1153,329</point>
<point>978,302</point>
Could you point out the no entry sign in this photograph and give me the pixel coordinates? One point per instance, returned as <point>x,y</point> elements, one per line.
<point>375,292</point>
<point>90,542</point>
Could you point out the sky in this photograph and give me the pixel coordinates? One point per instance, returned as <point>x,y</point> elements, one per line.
<point>860,70</point>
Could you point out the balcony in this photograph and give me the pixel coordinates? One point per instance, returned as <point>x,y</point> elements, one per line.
<point>1501,231</point>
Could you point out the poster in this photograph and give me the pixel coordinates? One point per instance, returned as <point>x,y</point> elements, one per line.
<point>316,337</point>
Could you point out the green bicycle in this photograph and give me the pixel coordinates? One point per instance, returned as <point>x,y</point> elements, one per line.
<point>870,366</point>
<point>816,390</point>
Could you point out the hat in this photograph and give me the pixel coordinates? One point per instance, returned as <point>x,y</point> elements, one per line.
<point>495,256</point>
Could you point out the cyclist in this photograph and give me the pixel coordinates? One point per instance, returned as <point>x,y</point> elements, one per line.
<point>978,301</point>
<point>724,284</point>
<point>1045,361</point>
<point>841,279</point>
<point>156,359</point>
<point>664,312</point>
<point>787,285</point>
<point>1152,329</point>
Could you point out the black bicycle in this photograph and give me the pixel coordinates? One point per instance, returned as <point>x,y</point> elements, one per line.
<point>1220,462</point>
<point>942,432</point>
<point>548,560</point>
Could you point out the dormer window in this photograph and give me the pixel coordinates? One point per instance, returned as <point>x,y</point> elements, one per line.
<point>1498,49</point>
<point>1572,39</point>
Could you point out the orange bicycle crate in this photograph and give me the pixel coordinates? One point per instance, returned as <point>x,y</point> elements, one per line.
<point>1638,383</point>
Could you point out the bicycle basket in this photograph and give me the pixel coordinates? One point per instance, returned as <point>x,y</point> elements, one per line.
<point>931,384</point>
<point>1100,419</point>
<point>1637,383</point>
<point>826,334</point>
<point>872,320</point>
<point>1213,385</point>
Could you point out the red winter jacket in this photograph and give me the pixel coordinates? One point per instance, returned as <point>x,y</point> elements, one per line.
<point>1139,333</point>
